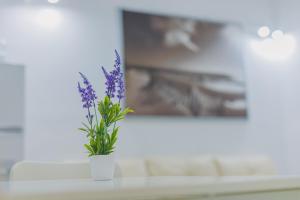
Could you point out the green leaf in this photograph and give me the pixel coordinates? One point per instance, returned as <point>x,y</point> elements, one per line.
<point>119,118</point>
<point>115,132</point>
<point>93,145</point>
<point>86,126</point>
<point>83,129</point>
<point>113,139</point>
<point>127,110</point>
<point>90,149</point>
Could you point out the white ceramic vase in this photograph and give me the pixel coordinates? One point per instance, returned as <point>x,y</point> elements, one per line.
<point>102,167</point>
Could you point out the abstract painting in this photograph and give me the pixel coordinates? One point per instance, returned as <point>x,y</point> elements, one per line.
<point>177,66</point>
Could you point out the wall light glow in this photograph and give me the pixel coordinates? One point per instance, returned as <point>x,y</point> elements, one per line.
<point>49,18</point>
<point>279,49</point>
<point>53,1</point>
<point>277,34</point>
<point>263,31</point>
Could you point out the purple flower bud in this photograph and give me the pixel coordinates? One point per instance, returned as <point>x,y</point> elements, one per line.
<point>87,93</point>
<point>114,79</point>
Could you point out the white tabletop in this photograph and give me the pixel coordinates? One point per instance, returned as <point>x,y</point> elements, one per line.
<point>142,188</point>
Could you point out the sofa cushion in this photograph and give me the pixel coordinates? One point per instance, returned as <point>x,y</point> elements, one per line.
<point>32,170</point>
<point>166,166</point>
<point>171,166</point>
<point>261,166</point>
<point>202,166</point>
<point>245,166</point>
<point>130,168</point>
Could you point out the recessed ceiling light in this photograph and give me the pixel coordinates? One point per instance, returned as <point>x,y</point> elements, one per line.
<point>53,1</point>
<point>263,31</point>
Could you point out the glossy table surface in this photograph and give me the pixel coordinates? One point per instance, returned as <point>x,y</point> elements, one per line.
<point>150,188</point>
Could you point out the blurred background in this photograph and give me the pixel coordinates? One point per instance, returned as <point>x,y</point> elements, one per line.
<point>45,43</point>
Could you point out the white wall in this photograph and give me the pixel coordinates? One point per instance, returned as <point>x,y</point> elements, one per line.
<point>86,38</point>
<point>289,21</point>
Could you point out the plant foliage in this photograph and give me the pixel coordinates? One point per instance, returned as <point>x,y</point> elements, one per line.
<point>103,134</point>
<point>101,129</point>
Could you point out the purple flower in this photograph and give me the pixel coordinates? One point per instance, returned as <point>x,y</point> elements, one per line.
<point>119,75</point>
<point>114,79</point>
<point>118,59</point>
<point>110,84</point>
<point>87,93</point>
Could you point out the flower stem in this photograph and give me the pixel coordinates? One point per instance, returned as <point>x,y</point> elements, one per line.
<point>95,113</point>
<point>116,122</point>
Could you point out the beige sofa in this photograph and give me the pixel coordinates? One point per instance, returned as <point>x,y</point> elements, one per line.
<point>197,166</point>
<point>151,166</point>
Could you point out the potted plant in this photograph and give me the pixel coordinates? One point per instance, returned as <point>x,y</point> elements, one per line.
<point>101,128</point>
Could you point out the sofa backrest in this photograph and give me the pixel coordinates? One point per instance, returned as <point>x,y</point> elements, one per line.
<point>210,166</point>
<point>176,166</point>
<point>32,170</point>
<point>152,166</point>
<point>245,166</point>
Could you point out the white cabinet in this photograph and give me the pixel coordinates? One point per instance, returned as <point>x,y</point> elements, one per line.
<point>11,116</point>
<point>11,96</point>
